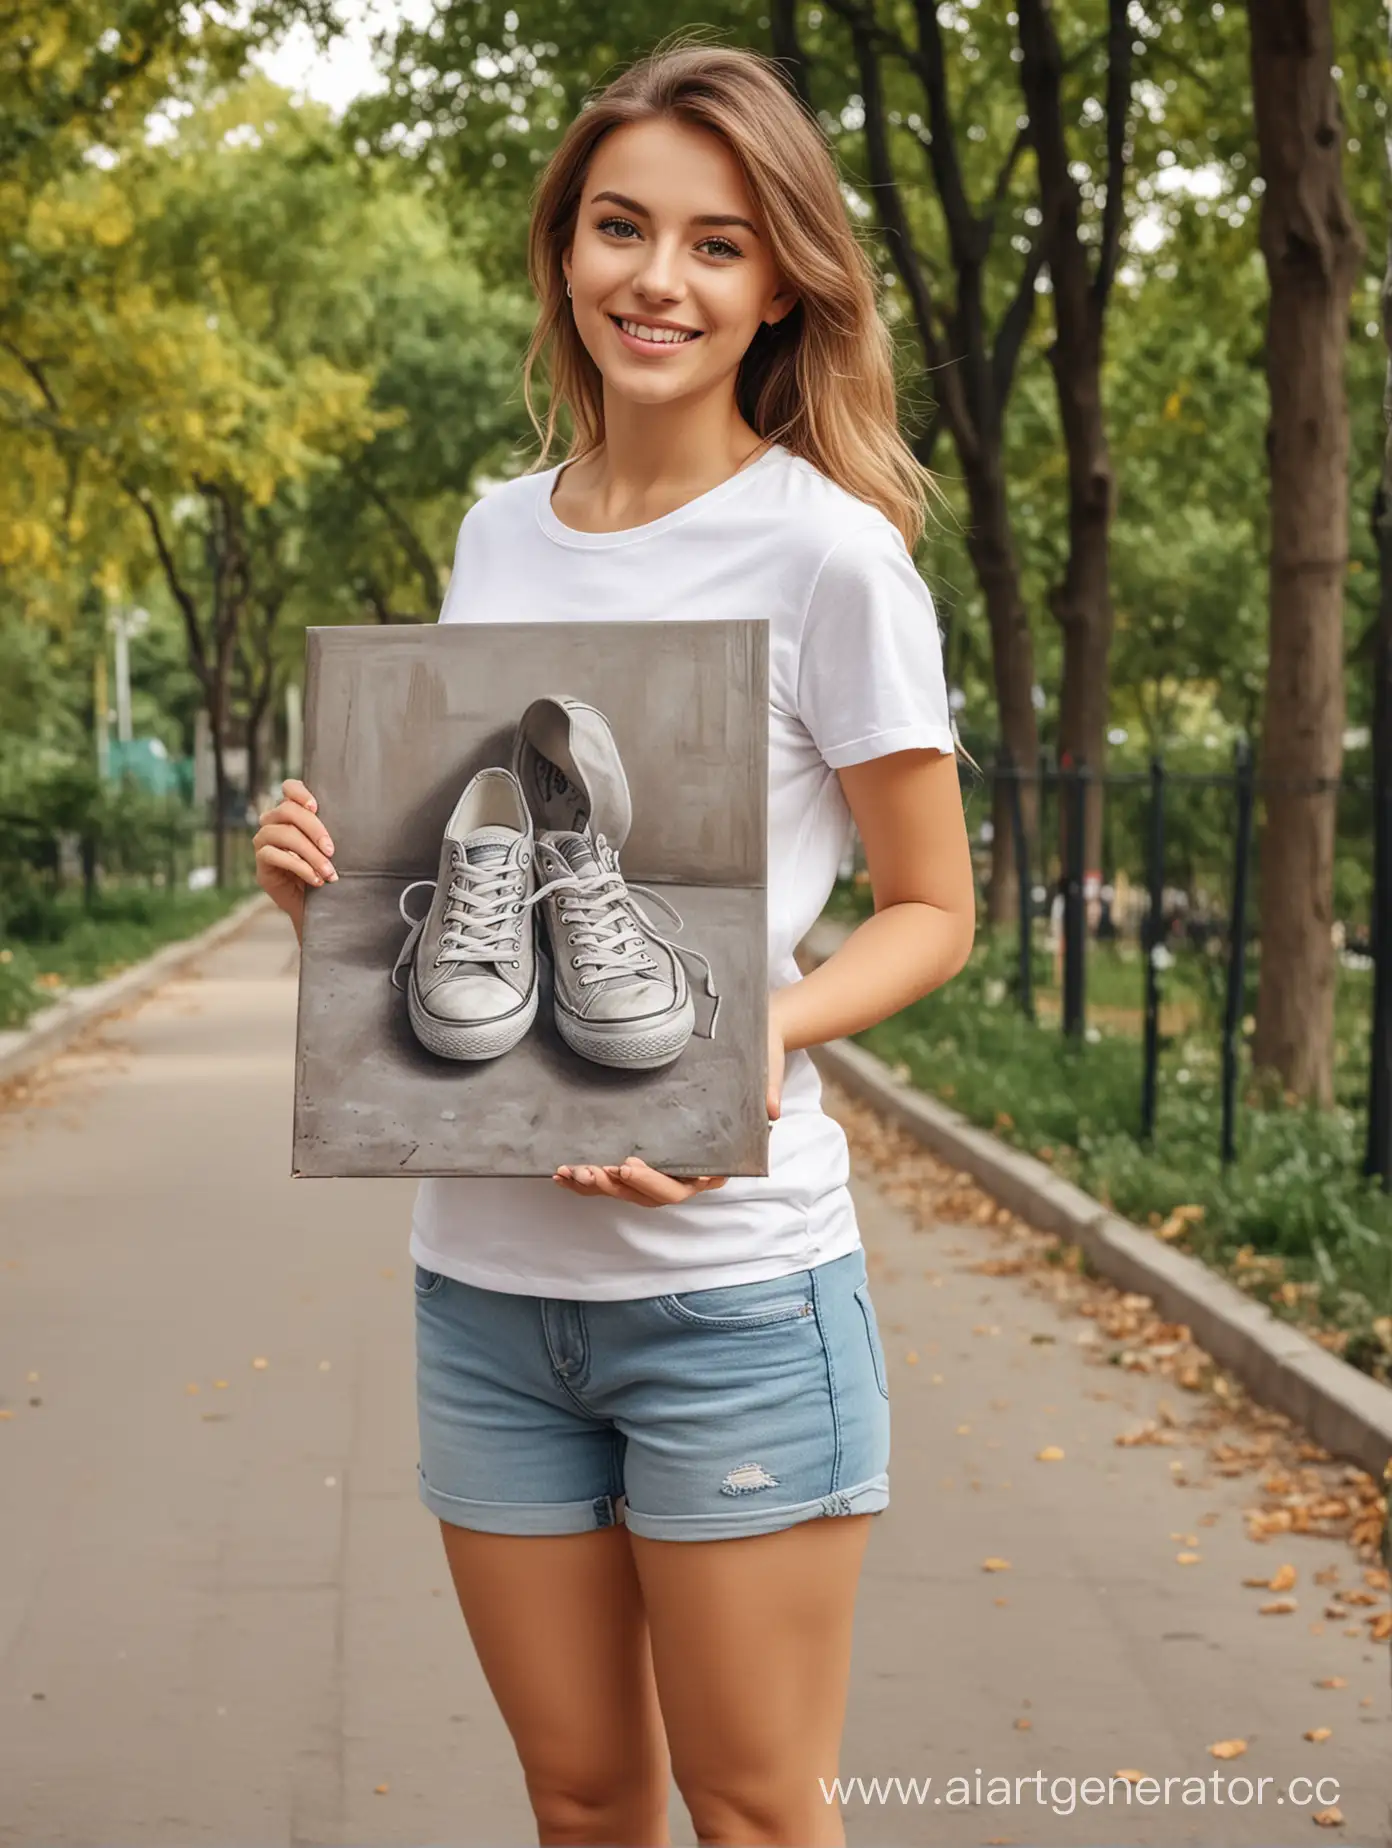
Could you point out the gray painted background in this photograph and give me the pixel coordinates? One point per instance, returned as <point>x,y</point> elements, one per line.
<point>396,722</point>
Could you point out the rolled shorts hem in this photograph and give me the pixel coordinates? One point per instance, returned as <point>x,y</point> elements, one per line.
<point>576,1517</point>
<point>868,1497</point>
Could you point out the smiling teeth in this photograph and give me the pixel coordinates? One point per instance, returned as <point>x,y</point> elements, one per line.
<point>661,336</point>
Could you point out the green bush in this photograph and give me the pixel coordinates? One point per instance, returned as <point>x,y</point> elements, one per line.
<point>1294,1219</point>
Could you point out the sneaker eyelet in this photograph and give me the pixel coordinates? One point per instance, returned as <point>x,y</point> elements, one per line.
<point>575,962</point>
<point>517,965</point>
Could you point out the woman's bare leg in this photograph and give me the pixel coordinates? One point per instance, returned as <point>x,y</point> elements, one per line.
<point>751,1643</point>
<point>559,1627</point>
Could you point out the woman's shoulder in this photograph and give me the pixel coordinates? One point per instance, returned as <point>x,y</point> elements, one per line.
<point>824,518</point>
<point>505,498</point>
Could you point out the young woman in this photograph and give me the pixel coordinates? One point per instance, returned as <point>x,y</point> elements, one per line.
<point>653,1412</point>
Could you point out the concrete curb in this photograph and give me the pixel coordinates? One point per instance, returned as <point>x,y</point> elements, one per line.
<point>59,1025</point>
<point>1344,1410</point>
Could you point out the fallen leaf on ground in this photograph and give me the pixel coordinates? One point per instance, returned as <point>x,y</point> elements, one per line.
<point>1132,1777</point>
<point>380,1790</point>
<point>911,1358</point>
<point>1380,1627</point>
<point>260,1363</point>
<point>1188,1559</point>
<point>1318,1734</point>
<point>995,1565</point>
<point>1000,1603</point>
<point>1050,1454</point>
<point>1023,1725</point>
<point>1331,1681</point>
<point>1282,1578</point>
<point>1331,1818</point>
<point>1228,1748</point>
<point>1277,1607</point>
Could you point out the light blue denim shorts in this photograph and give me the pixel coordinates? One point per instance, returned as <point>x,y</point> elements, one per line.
<point>698,1416</point>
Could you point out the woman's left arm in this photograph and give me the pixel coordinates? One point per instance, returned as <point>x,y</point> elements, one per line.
<point>908,810</point>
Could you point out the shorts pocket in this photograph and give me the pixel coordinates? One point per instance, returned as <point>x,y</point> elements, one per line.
<point>428,1282</point>
<point>744,1305</point>
<point>872,1329</point>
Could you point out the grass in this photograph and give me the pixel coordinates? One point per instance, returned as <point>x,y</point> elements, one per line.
<point>57,944</point>
<point>1293,1220</point>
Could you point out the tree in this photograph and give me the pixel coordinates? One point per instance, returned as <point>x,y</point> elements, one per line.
<point>1313,251</point>
<point>1080,291</point>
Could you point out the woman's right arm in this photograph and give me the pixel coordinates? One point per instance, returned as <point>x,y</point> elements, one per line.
<point>293,850</point>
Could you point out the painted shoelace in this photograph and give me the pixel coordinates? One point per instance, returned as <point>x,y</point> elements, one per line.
<point>482,921</point>
<point>613,927</point>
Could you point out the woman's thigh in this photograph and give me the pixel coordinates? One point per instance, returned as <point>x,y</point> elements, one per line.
<point>751,1645</point>
<point>560,1631</point>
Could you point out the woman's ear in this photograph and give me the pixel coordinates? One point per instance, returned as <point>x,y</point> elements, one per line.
<point>782,304</point>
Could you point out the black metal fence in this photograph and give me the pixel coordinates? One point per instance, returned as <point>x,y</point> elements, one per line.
<point>1177,867</point>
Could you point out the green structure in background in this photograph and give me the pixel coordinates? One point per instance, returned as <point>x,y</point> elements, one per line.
<point>147,762</point>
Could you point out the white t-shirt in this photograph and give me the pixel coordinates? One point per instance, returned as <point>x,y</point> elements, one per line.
<point>855,672</point>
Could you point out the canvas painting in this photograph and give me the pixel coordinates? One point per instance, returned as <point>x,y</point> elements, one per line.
<point>547,942</point>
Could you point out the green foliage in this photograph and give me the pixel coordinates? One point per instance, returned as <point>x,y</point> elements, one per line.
<point>63,944</point>
<point>1295,1197</point>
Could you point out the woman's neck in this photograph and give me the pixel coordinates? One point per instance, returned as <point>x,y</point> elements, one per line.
<point>653,459</point>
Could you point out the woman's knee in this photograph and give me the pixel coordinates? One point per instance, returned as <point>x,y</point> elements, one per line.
<point>753,1814</point>
<point>623,1802</point>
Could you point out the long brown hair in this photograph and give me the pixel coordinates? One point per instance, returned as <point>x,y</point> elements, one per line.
<point>821,381</point>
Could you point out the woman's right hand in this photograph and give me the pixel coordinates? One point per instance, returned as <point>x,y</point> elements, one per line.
<point>293,850</point>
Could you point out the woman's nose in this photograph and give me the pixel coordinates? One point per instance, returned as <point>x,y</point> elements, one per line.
<point>659,274</point>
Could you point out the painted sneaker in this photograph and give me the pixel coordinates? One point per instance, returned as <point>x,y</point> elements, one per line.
<point>620,989</point>
<point>471,990</point>
<point>572,777</point>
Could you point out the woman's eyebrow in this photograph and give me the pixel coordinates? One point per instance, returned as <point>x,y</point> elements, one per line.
<point>704,218</point>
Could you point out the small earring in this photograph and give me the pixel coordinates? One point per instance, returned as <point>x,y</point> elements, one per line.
<point>567,287</point>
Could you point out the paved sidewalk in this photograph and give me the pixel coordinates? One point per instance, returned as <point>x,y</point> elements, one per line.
<point>224,1617</point>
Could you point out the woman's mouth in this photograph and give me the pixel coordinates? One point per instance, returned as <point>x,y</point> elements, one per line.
<point>642,336</point>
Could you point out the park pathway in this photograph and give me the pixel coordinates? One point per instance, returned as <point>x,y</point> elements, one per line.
<point>225,1619</point>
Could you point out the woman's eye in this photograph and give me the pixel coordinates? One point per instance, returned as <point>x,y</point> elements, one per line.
<point>727,248</point>
<point>615,224</point>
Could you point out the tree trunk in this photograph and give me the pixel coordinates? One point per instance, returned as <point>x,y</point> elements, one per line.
<point>1313,251</point>
<point>1082,603</point>
<point>991,546</point>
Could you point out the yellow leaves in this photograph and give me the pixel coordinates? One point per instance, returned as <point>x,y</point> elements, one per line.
<point>1228,1748</point>
<point>89,209</point>
<point>1318,1734</point>
<point>1282,1578</point>
<point>1331,1818</point>
<point>51,41</point>
<point>1050,1454</point>
<point>1179,1222</point>
<point>1277,1607</point>
<point>1188,1559</point>
<point>1174,405</point>
<point>995,1565</point>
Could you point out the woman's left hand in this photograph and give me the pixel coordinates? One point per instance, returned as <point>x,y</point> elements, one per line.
<point>635,1181</point>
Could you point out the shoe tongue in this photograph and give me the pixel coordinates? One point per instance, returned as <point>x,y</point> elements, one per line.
<point>577,850</point>
<point>489,846</point>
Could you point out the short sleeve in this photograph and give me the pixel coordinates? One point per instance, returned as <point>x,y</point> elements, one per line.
<point>870,674</point>
<point>452,609</point>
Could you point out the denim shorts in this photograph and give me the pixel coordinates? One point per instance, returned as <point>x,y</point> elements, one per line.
<point>698,1416</point>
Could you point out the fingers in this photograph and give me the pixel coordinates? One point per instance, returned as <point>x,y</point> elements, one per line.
<point>296,791</point>
<point>599,1183</point>
<point>634,1180</point>
<point>299,834</point>
<point>287,862</point>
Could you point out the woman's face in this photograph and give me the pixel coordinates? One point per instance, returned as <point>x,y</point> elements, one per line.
<point>669,268</point>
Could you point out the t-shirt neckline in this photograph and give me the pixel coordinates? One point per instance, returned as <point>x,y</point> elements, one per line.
<point>555,529</point>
